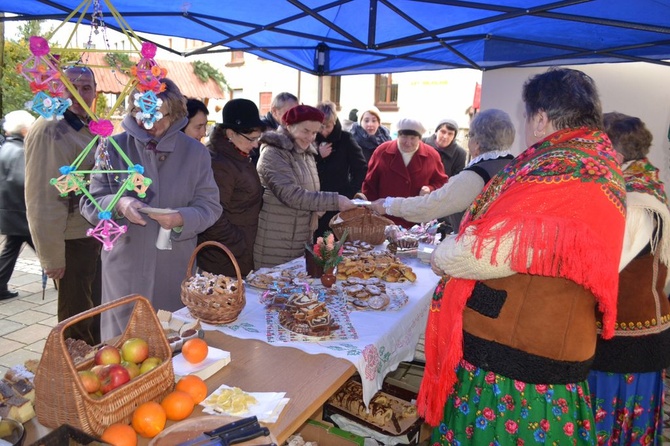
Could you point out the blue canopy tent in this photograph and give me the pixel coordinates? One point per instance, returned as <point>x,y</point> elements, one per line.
<point>342,37</point>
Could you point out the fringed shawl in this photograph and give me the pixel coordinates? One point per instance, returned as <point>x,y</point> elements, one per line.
<point>563,203</point>
<point>646,191</point>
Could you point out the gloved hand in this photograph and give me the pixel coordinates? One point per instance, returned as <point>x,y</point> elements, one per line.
<point>378,206</point>
<point>127,207</point>
<point>344,203</point>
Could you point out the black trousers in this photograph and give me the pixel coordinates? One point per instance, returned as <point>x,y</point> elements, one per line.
<point>80,289</point>
<point>10,253</point>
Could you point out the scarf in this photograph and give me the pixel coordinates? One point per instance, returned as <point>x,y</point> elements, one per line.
<point>641,176</point>
<point>370,142</point>
<point>563,203</point>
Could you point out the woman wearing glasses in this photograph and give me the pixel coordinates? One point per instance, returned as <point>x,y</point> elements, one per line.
<point>240,190</point>
<point>292,199</point>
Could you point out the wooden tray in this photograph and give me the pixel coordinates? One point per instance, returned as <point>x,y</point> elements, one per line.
<point>192,427</point>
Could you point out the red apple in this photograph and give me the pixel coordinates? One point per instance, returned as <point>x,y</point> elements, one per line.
<point>108,354</point>
<point>133,369</point>
<point>112,376</point>
<point>135,350</point>
<point>90,381</point>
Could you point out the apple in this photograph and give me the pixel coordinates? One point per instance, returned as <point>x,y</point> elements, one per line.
<point>108,354</point>
<point>97,369</point>
<point>90,381</point>
<point>112,376</point>
<point>133,369</point>
<point>135,350</point>
<point>150,364</point>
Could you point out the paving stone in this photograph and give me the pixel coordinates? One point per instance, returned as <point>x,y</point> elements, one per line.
<point>29,334</point>
<point>28,317</point>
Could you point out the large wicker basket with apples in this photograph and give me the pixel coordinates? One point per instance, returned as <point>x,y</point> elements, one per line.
<point>61,397</point>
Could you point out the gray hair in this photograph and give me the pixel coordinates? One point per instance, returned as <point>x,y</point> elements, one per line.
<point>329,110</point>
<point>281,99</point>
<point>17,121</point>
<point>493,130</point>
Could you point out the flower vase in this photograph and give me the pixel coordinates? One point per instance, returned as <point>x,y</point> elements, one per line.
<point>311,266</point>
<point>328,278</point>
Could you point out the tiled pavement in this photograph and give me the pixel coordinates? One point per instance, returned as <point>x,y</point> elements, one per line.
<point>26,321</point>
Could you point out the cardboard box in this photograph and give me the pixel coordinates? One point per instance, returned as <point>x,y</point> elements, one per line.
<point>327,435</point>
<point>404,424</point>
<point>404,382</point>
<point>413,434</point>
<point>68,435</point>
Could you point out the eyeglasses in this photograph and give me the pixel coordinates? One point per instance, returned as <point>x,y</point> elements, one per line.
<point>256,139</point>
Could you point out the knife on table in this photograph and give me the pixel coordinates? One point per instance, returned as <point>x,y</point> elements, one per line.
<point>244,434</point>
<point>239,436</point>
<point>226,428</point>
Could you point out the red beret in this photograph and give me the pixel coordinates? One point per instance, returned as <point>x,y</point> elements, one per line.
<point>301,113</point>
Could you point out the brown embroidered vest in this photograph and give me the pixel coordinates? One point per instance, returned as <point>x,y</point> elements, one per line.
<point>531,328</point>
<point>641,340</point>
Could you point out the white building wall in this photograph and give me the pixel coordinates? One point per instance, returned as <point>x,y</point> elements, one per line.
<point>637,89</point>
<point>428,96</point>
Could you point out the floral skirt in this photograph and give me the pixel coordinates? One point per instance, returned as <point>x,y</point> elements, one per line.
<point>490,409</point>
<point>628,407</point>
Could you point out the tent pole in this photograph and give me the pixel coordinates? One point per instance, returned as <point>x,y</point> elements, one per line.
<point>299,83</point>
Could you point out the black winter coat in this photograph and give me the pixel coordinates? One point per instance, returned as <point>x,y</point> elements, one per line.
<point>342,171</point>
<point>241,197</point>
<point>13,219</point>
<point>454,157</point>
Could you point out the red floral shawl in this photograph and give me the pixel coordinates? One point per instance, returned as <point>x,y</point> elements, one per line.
<point>563,202</point>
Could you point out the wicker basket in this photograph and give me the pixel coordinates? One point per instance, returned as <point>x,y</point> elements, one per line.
<point>363,224</point>
<point>60,397</point>
<point>218,308</point>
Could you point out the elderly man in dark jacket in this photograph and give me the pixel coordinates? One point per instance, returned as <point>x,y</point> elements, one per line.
<point>13,222</point>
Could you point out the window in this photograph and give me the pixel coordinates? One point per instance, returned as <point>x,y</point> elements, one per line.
<point>265,102</point>
<point>386,93</point>
<point>236,59</point>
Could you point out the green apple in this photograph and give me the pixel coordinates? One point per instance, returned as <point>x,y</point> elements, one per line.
<point>150,364</point>
<point>133,369</point>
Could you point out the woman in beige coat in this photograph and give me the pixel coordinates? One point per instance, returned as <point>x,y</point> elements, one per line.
<point>292,200</point>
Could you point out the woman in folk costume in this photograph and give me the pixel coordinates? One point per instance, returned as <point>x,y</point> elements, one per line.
<point>512,327</point>
<point>626,380</point>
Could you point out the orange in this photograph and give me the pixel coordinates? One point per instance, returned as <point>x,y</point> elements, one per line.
<point>149,419</point>
<point>119,434</point>
<point>195,350</point>
<point>194,386</point>
<point>178,405</point>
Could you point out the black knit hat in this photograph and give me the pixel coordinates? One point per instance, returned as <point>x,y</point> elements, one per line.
<point>241,114</point>
<point>353,116</point>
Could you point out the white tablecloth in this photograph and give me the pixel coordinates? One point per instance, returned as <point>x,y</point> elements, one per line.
<point>384,338</point>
